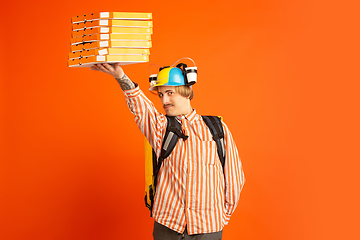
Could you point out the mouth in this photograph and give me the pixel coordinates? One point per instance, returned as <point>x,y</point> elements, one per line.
<point>168,106</point>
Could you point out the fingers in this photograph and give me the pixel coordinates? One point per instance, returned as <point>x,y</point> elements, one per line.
<point>108,67</point>
<point>102,68</point>
<point>95,67</point>
<point>115,70</point>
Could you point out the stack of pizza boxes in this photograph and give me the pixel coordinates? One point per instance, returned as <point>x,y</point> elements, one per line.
<point>110,37</point>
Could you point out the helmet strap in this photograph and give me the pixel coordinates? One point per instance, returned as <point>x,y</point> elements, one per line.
<point>161,68</point>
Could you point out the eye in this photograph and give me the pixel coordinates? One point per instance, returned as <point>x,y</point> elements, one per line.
<point>160,94</point>
<point>171,93</point>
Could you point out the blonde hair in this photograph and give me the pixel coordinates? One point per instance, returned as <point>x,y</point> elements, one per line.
<point>185,91</point>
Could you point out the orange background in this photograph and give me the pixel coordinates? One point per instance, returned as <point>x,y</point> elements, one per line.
<point>283,74</point>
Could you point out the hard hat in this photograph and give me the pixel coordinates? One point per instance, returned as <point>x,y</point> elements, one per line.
<point>170,76</point>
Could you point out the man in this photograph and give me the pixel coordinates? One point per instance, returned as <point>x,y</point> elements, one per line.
<point>194,198</point>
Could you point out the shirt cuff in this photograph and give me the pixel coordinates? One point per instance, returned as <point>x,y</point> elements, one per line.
<point>132,92</point>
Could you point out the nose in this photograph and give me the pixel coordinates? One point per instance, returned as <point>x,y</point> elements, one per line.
<point>165,99</point>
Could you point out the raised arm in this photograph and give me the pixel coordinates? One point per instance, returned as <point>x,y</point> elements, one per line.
<point>149,120</point>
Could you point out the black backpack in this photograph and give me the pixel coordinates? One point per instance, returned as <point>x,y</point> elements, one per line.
<point>171,137</point>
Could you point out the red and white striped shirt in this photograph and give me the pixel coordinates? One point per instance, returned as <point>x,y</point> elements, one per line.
<point>191,188</point>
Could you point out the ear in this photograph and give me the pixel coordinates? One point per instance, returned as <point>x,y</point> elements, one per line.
<point>191,94</point>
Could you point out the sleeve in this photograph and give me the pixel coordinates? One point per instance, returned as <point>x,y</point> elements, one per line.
<point>234,175</point>
<point>150,122</point>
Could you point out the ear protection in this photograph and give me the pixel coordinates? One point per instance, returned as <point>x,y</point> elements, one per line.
<point>189,73</point>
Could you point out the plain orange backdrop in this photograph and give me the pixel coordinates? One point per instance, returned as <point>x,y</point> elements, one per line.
<point>283,74</point>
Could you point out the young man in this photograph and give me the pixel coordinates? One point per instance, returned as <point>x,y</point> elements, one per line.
<point>194,198</point>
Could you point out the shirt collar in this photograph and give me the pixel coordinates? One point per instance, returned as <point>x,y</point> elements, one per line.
<point>191,117</point>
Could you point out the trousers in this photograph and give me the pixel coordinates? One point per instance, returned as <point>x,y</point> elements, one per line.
<point>163,233</point>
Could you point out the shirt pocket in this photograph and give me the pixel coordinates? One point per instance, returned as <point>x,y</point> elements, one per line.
<point>209,153</point>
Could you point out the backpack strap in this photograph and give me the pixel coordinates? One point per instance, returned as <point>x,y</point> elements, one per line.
<point>172,135</point>
<point>217,131</point>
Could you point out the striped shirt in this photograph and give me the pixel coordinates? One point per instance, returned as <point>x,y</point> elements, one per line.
<point>192,190</point>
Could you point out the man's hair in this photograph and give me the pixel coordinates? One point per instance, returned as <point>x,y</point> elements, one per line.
<point>185,91</point>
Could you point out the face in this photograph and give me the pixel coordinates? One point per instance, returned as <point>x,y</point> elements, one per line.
<point>174,104</point>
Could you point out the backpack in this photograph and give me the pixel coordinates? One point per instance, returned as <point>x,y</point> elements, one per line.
<point>171,137</point>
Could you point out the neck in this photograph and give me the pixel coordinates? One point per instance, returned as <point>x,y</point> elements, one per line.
<point>187,109</point>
